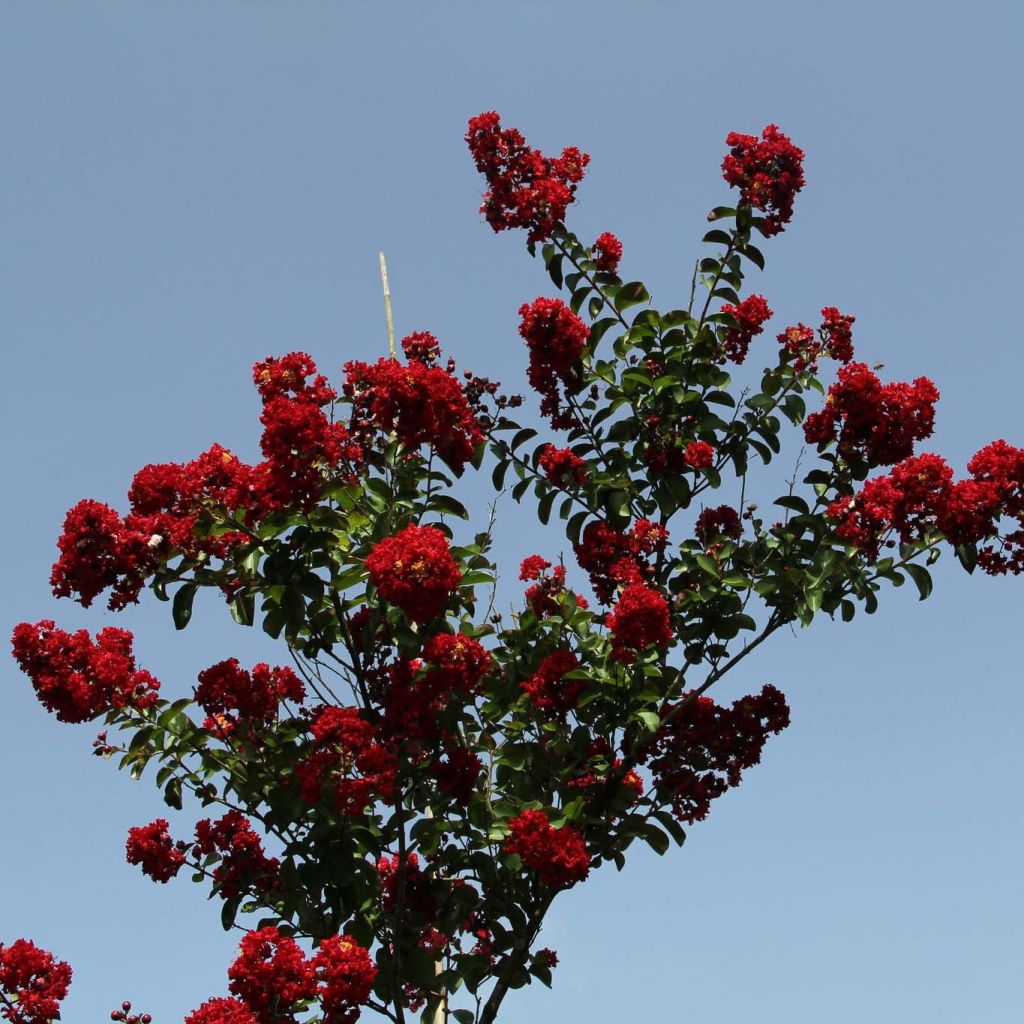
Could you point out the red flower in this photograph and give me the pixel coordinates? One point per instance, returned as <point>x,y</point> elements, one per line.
<point>837,327</point>
<point>703,749</point>
<point>558,855</point>
<point>699,455</point>
<point>640,620</point>
<point>533,567</point>
<point>556,338</point>
<point>457,774</point>
<point>608,557</point>
<point>228,693</point>
<point>243,865</point>
<point>287,376</point>
<point>415,571</point>
<point>421,403</point>
<point>768,172</point>
<point>525,188</point>
<point>417,897</point>
<point>607,252</point>
<point>723,521</point>
<point>421,347</point>
<point>548,689</point>
<point>542,597</point>
<point>99,550</point>
<point>459,663</point>
<point>222,1011</point>
<point>562,466</point>
<point>649,538</point>
<point>32,983</point>
<point>345,975</point>
<point>876,422</point>
<point>270,974</point>
<point>750,316</point>
<point>77,678</point>
<point>151,847</point>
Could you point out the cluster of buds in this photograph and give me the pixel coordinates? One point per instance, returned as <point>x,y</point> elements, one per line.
<point>125,1014</point>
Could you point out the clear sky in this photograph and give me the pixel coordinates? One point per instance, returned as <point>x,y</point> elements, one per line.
<point>186,188</point>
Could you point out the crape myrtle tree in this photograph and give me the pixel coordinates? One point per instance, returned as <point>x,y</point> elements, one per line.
<point>395,807</point>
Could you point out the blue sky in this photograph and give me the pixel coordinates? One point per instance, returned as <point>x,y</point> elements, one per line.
<point>186,188</point>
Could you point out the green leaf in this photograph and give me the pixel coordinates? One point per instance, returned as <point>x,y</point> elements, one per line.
<point>794,503</point>
<point>708,564</point>
<point>578,298</point>
<point>243,609</point>
<point>754,255</point>
<point>631,294</point>
<point>968,556</point>
<point>921,577</point>
<point>656,839</point>
<point>181,609</point>
<point>651,719</point>
<point>522,435</point>
<point>446,503</point>
<point>555,269</point>
<point>229,911</point>
<point>722,213</point>
<point>544,507</point>
<point>674,829</point>
<point>616,504</point>
<point>172,794</point>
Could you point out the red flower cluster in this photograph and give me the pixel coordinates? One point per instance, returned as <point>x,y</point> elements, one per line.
<point>458,664</point>
<point>457,773</point>
<point>648,538</point>
<point>415,571</point>
<point>345,742</point>
<point>77,678</point>
<point>920,495</point>
<point>699,455</point>
<point>558,855</point>
<point>562,466</point>
<point>612,558</point>
<point>837,327</point>
<point>419,402</point>
<point>271,974</point>
<point>151,847</point>
<point>723,521</point>
<point>525,188</point>
<point>750,316</point>
<point>872,421</point>
<point>99,550</point>
<point>548,689</point>
<point>556,338</point>
<point>243,867</point>
<point>229,694</point>
<point>418,899</point>
<point>345,974</point>
<point>32,983</point>
<point>702,750</point>
<point>640,620</point>
<point>607,252</point>
<point>421,347</point>
<point>222,1011</point>
<point>299,440</point>
<point>768,172</point>
<point>542,596</point>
